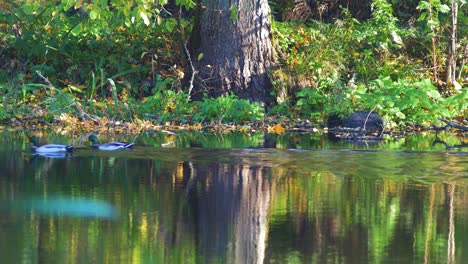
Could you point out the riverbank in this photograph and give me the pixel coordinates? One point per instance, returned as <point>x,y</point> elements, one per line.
<point>65,124</point>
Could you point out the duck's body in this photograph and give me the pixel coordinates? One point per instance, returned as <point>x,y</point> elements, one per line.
<point>49,148</point>
<point>113,146</point>
<point>110,145</point>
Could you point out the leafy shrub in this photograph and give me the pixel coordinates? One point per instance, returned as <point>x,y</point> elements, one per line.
<point>229,109</point>
<point>402,102</point>
<point>310,103</point>
<point>281,110</point>
<point>86,43</point>
<point>167,105</point>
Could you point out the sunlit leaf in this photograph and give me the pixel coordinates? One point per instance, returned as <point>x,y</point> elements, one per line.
<point>145,18</point>
<point>396,38</point>
<point>93,15</point>
<point>444,8</point>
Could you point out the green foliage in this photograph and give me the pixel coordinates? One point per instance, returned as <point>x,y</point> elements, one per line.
<point>95,51</point>
<point>373,64</point>
<point>167,105</point>
<point>430,13</point>
<point>234,13</point>
<point>324,57</point>
<point>310,102</point>
<point>348,46</point>
<point>170,106</point>
<point>402,102</point>
<point>282,109</point>
<point>430,17</point>
<point>61,103</point>
<point>229,109</point>
<point>107,56</point>
<point>83,43</point>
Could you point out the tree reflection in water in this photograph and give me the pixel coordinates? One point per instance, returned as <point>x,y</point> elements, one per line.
<point>240,206</point>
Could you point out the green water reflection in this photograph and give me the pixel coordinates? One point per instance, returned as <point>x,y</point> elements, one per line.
<point>400,202</point>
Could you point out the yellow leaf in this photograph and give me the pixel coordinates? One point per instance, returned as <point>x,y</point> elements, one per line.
<point>277,129</point>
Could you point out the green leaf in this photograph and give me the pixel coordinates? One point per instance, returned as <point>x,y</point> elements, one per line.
<point>186,3</point>
<point>422,17</point>
<point>444,8</point>
<point>423,5</point>
<point>114,89</point>
<point>169,25</point>
<point>27,9</point>
<point>396,38</point>
<point>75,89</point>
<point>434,94</point>
<point>93,15</point>
<point>77,30</point>
<point>234,13</point>
<point>400,115</point>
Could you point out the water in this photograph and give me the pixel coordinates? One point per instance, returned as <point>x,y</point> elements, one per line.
<point>230,199</point>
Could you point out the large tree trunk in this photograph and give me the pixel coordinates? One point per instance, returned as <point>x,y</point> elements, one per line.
<point>231,49</point>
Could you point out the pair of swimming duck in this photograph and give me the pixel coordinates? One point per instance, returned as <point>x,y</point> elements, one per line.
<point>55,148</point>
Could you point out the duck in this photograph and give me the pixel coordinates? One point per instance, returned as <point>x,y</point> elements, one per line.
<point>109,145</point>
<point>49,148</point>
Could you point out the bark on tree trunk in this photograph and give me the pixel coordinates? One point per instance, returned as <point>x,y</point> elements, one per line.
<point>299,11</point>
<point>451,61</point>
<point>232,49</point>
<point>435,65</point>
<point>326,10</point>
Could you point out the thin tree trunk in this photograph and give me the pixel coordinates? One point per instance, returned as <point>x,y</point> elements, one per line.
<point>451,61</point>
<point>435,66</point>
<point>463,61</point>
<point>233,49</point>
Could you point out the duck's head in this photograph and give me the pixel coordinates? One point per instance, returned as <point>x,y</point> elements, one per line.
<point>34,140</point>
<point>93,139</point>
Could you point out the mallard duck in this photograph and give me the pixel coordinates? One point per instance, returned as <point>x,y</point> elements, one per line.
<point>49,148</point>
<point>109,145</point>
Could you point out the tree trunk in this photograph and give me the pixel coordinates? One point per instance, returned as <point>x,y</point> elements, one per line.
<point>231,49</point>
<point>326,10</point>
<point>451,61</point>
<point>299,11</point>
<point>435,65</point>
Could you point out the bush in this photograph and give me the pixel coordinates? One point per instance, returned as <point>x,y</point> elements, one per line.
<point>229,109</point>
<point>404,102</point>
<point>168,106</point>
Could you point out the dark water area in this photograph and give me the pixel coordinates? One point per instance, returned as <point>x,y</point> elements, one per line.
<point>237,198</point>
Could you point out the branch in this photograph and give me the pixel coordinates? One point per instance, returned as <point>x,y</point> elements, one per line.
<point>194,72</point>
<point>184,42</point>
<point>454,125</point>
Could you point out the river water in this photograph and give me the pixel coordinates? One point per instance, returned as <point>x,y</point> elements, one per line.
<point>238,198</point>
